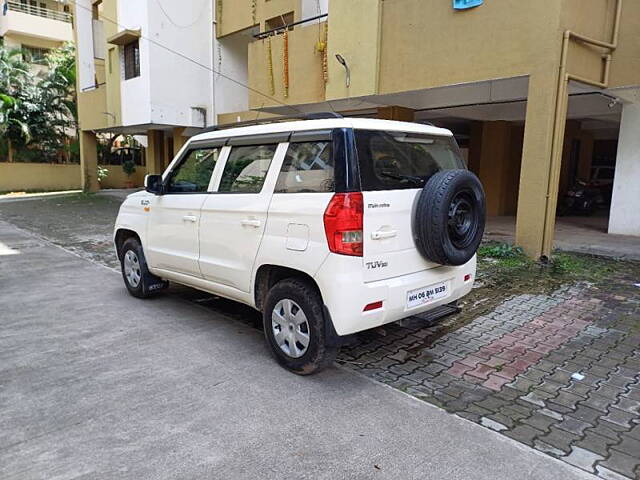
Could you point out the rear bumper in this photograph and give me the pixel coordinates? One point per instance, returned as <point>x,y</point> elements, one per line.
<point>345,293</point>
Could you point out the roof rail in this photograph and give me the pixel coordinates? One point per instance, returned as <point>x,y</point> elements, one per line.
<point>247,123</point>
<point>322,115</point>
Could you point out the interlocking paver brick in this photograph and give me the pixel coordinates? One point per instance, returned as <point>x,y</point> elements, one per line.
<point>607,474</point>
<point>620,417</point>
<point>621,463</point>
<point>540,421</point>
<point>630,446</point>
<point>495,382</point>
<point>573,425</point>
<point>560,439</point>
<point>582,458</point>
<point>628,405</point>
<point>524,433</point>
<point>566,399</point>
<point>596,443</point>
<point>586,414</point>
<point>597,402</point>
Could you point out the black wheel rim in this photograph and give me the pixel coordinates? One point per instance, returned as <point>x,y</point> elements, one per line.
<point>462,221</point>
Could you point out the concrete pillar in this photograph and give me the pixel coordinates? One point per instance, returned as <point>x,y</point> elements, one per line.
<point>624,217</point>
<point>567,171</point>
<point>89,161</point>
<point>537,193</point>
<point>155,152</point>
<point>494,162</point>
<point>396,113</point>
<point>475,147</point>
<point>178,140</point>
<point>586,156</point>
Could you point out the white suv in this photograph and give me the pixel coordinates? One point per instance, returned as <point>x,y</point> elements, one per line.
<point>328,227</point>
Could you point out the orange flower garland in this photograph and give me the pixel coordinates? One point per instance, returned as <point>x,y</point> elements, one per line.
<point>272,82</point>
<point>285,58</point>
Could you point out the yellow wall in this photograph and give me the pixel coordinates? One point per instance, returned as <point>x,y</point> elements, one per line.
<point>354,33</point>
<point>595,18</point>
<point>429,47</point>
<point>306,84</point>
<point>113,102</point>
<point>235,15</point>
<point>117,178</point>
<point>91,108</point>
<point>16,177</point>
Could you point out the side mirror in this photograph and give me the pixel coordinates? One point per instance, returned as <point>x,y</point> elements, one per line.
<point>153,184</point>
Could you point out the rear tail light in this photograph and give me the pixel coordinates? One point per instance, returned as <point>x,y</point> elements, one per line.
<point>343,223</point>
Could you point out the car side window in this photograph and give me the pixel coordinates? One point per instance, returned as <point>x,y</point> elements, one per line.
<point>246,168</point>
<point>307,167</point>
<point>193,173</point>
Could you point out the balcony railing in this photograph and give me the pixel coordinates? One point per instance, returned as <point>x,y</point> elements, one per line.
<point>39,11</point>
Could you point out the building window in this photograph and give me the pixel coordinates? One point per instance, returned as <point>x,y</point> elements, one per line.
<point>35,55</point>
<point>131,60</point>
<point>279,22</point>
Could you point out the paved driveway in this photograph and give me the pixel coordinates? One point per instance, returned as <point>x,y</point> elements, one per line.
<point>96,384</point>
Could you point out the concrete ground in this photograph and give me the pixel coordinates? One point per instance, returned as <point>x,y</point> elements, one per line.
<point>574,234</point>
<point>97,384</point>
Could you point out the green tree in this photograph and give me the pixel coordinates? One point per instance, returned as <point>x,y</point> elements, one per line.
<point>16,85</point>
<point>57,98</point>
<point>38,113</point>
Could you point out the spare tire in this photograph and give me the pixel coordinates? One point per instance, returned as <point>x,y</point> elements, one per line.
<point>450,217</point>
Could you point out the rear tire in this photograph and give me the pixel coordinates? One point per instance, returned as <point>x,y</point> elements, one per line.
<point>137,278</point>
<point>294,327</point>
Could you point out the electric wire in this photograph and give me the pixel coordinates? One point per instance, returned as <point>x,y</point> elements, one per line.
<point>198,16</point>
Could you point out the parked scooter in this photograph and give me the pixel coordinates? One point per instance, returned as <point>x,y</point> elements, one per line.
<point>580,200</point>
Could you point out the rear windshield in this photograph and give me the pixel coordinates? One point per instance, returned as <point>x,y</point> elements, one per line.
<point>397,160</point>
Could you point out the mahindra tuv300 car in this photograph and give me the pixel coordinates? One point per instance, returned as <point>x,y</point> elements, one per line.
<point>328,227</point>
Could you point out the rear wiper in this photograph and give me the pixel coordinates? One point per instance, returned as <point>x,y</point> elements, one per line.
<point>405,178</point>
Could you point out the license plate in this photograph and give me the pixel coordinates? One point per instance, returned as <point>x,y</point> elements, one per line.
<point>426,295</point>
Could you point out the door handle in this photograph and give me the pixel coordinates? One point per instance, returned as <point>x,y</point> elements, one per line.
<point>250,223</point>
<point>380,234</point>
<point>190,218</point>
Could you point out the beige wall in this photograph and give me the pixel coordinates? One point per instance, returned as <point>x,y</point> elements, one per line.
<point>595,18</point>
<point>16,177</point>
<point>235,15</point>
<point>306,84</point>
<point>91,108</point>
<point>354,33</point>
<point>503,38</point>
<point>118,179</point>
<point>112,75</point>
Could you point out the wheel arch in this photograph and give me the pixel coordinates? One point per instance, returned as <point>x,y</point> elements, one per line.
<point>268,275</point>
<point>121,236</point>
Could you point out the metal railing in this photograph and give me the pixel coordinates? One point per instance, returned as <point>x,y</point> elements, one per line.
<point>286,26</point>
<point>39,11</point>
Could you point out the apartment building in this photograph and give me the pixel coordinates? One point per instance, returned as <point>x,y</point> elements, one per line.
<point>35,26</point>
<point>539,94</point>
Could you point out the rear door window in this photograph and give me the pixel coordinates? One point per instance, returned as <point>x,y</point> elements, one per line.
<point>307,167</point>
<point>246,168</point>
<point>398,160</point>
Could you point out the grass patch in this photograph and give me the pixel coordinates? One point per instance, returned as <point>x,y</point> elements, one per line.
<point>508,267</point>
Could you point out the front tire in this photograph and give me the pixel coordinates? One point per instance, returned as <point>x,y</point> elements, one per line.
<point>139,281</point>
<point>294,327</point>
